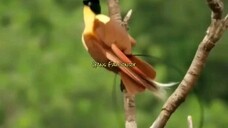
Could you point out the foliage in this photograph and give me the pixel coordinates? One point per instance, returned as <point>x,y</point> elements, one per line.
<point>46,77</point>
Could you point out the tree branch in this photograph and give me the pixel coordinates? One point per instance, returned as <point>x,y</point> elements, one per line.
<point>129,100</point>
<point>214,33</point>
<point>226,21</point>
<point>190,122</point>
<point>129,108</point>
<point>126,19</point>
<point>114,10</point>
<point>216,7</point>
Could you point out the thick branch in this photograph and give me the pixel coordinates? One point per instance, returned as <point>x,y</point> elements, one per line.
<point>129,108</point>
<point>214,33</point>
<point>129,100</point>
<point>114,10</point>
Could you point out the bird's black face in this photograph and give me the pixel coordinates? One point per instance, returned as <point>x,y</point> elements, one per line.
<point>94,5</point>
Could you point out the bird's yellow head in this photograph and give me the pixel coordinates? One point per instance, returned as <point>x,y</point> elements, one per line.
<point>94,5</point>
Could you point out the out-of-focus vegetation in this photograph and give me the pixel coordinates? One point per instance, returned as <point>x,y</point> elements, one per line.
<point>46,77</point>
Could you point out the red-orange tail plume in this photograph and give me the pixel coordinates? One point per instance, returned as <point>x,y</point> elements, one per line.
<point>138,77</point>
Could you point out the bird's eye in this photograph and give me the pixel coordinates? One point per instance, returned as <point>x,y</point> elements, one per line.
<point>89,3</point>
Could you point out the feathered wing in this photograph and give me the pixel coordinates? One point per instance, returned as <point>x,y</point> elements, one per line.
<point>112,33</point>
<point>93,46</point>
<point>119,43</point>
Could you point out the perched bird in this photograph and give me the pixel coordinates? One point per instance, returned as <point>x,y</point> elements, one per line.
<point>109,44</point>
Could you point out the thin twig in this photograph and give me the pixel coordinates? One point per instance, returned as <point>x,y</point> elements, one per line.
<point>129,100</point>
<point>214,33</point>
<point>190,122</point>
<point>226,21</point>
<point>126,19</point>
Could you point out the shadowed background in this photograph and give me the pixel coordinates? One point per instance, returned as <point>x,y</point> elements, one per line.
<point>47,79</point>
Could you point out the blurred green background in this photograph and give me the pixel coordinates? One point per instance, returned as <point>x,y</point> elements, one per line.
<point>47,81</point>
